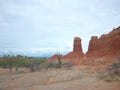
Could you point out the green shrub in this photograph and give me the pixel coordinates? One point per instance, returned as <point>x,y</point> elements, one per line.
<point>18,61</point>
<point>36,64</point>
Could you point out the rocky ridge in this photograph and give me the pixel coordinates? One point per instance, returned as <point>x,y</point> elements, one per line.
<point>103,50</point>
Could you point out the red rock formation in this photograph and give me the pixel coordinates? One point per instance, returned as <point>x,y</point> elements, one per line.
<point>100,51</point>
<point>76,56</point>
<point>77,45</point>
<point>54,57</point>
<point>108,45</point>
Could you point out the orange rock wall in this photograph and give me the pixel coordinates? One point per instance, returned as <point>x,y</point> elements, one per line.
<point>100,51</point>
<point>106,45</point>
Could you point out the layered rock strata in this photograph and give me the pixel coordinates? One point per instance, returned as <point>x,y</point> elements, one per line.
<point>101,51</point>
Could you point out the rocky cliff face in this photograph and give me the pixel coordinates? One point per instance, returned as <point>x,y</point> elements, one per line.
<point>54,57</point>
<point>101,50</point>
<point>76,56</point>
<point>106,45</point>
<point>77,45</point>
<point>105,49</point>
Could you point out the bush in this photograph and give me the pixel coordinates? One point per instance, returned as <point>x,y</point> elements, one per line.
<point>10,62</point>
<point>112,73</point>
<point>114,68</point>
<point>35,67</point>
<point>55,65</point>
<point>52,65</point>
<point>36,64</point>
<point>67,65</point>
<point>59,60</point>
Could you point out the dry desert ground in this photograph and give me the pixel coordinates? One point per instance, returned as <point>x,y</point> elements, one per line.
<point>78,78</point>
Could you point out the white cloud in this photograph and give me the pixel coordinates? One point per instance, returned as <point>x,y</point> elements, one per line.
<point>47,24</point>
<point>33,51</point>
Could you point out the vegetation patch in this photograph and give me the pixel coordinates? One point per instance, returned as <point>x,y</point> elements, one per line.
<point>16,62</point>
<point>112,73</point>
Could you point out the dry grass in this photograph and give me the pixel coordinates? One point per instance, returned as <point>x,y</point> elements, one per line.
<point>79,78</point>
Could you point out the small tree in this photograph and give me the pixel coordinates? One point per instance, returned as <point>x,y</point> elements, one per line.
<point>13,62</point>
<point>35,64</point>
<point>9,61</point>
<point>20,61</point>
<point>59,60</point>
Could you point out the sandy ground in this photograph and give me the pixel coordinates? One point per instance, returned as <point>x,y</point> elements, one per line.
<point>79,78</point>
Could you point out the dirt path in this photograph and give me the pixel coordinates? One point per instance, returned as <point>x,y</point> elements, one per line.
<point>54,80</point>
<point>83,84</point>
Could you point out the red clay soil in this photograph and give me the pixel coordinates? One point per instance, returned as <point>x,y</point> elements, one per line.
<point>59,79</point>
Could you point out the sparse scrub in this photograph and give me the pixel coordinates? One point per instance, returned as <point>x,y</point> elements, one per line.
<point>15,62</point>
<point>115,68</point>
<point>113,72</point>
<point>67,65</point>
<point>51,65</point>
<point>9,62</point>
<point>56,63</point>
<point>36,64</point>
<point>59,60</point>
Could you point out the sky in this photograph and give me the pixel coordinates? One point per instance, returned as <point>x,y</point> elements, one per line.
<point>44,27</point>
